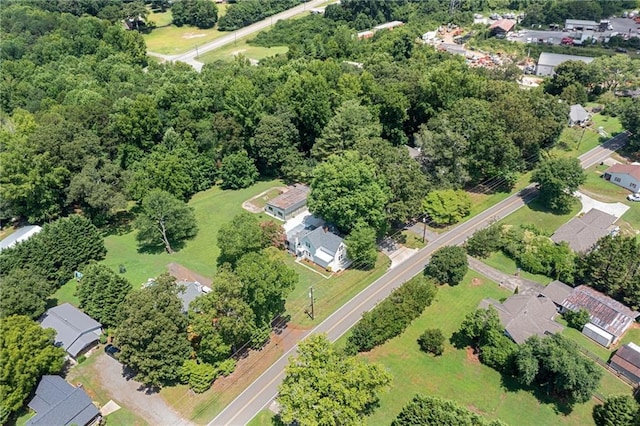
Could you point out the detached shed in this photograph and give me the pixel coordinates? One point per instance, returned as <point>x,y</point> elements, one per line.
<point>598,334</point>
<point>290,202</point>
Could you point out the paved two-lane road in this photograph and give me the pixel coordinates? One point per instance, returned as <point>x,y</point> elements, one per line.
<point>265,388</point>
<point>190,56</point>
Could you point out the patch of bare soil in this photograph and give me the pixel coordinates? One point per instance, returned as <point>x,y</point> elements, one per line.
<point>472,356</point>
<point>252,208</point>
<point>184,274</point>
<point>476,282</point>
<point>189,36</point>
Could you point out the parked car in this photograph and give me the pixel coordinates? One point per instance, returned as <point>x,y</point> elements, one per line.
<point>112,351</point>
<point>568,41</point>
<point>621,50</point>
<point>634,197</point>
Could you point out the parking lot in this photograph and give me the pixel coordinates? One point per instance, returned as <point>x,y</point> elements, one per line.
<point>621,26</point>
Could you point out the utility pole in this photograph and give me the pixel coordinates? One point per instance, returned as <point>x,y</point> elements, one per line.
<point>581,136</point>
<point>424,229</point>
<point>312,313</point>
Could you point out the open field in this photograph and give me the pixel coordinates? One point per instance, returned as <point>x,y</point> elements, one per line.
<point>504,263</point>
<point>575,141</point>
<point>213,208</point>
<point>241,47</point>
<point>171,40</point>
<point>535,214</point>
<point>84,374</point>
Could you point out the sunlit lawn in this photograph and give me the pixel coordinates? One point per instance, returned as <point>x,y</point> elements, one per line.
<point>535,214</point>
<point>577,141</point>
<point>504,263</point>
<point>213,208</point>
<point>241,47</point>
<point>171,40</point>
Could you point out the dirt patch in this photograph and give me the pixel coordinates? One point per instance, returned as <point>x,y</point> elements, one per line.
<point>476,282</point>
<point>472,356</point>
<point>189,36</point>
<point>185,274</point>
<point>252,207</point>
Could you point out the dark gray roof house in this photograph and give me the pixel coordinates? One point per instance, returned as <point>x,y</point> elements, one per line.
<point>75,330</point>
<point>19,235</point>
<point>557,291</point>
<point>524,316</point>
<point>582,233</point>
<point>57,403</point>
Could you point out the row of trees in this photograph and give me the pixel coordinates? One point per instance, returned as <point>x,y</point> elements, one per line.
<point>246,12</point>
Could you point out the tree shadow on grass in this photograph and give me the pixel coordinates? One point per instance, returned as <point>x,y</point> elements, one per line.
<point>121,223</point>
<point>560,406</point>
<point>160,248</point>
<point>460,341</point>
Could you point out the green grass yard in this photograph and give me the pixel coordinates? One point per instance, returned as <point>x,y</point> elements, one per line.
<point>241,47</point>
<point>534,213</point>
<point>504,263</point>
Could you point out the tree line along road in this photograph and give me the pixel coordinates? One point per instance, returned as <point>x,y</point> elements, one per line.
<point>264,389</point>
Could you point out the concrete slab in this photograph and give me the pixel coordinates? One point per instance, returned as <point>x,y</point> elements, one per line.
<point>109,408</point>
<point>396,252</point>
<point>588,203</point>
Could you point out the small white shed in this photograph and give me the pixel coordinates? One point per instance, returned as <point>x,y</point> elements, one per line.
<point>599,335</point>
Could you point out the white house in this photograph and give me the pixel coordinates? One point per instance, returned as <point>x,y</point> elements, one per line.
<point>318,244</point>
<point>578,116</point>
<point>624,175</point>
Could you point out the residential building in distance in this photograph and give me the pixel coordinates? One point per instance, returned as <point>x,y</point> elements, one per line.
<point>608,318</point>
<point>57,403</point>
<point>19,235</point>
<point>626,361</point>
<point>502,27</point>
<point>582,233</point>
<point>578,116</point>
<point>190,291</point>
<point>624,175</point>
<point>524,316</point>
<point>289,203</point>
<point>75,330</point>
<point>548,62</point>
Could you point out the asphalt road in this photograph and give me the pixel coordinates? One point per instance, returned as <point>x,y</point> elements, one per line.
<point>265,388</point>
<point>190,56</point>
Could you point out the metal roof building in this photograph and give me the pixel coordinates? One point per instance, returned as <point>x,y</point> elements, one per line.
<point>548,62</point>
<point>75,330</point>
<point>57,403</point>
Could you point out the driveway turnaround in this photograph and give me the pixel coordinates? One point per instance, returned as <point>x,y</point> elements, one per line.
<point>265,388</point>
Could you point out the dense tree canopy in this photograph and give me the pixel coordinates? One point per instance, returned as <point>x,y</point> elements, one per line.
<point>102,292</point>
<point>24,292</point>
<point>434,411</point>
<point>199,13</point>
<point>241,236</point>
<point>617,410</point>
<point>323,387</point>
<point>448,265</point>
<point>361,246</point>
<point>26,353</point>
<point>558,179</point>
<point>152,336</point>
<point>447,206</point>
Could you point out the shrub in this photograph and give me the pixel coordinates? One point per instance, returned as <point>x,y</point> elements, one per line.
<point>577,319</point>
<point>198,375</point>
<point>485,241</point>
<point>448,265</point>
<point>432,340</point>
<point>392,316</point>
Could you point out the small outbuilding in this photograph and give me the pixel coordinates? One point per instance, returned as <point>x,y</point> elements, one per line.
<point>19,235</point>
<point>190,291</point>
<point>626,361</point>
<point>501,27</point>
<point>286,205</point>
<point>578,116</point>
<point>57,403</point>
<point>75,330</point>
<point>624,175</point>
<point>388,25</point>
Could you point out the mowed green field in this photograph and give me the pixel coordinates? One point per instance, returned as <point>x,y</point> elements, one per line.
<point>213,208</point>
<point>456,375</point>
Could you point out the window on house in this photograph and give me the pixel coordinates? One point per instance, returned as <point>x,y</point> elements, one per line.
<point>616,179</point>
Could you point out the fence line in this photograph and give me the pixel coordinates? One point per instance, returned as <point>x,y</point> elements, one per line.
<point>612,370</point>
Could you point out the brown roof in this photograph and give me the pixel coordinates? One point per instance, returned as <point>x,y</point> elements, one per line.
<point>503,24</point>
<point>525,315</point>
<point>625,169</point>
<point>557,291</point>
<point>581,233</point>
<point>608,314</point>
<point>294,195</point>
<point>628,358</point>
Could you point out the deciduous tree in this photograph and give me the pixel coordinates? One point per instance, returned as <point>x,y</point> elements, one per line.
<point>323,387</point>
<point>238,171</point>
<point>240,236</point>
<point>558,179</point>
<point>164,221</point>
<point>446,206</point>
<point>432,341</point>
<point>448,265</point>
<point>26,353</point>
<point>153,334</point>
<point>617,410</point>
<point>434,411</point>
<point>361,246</point>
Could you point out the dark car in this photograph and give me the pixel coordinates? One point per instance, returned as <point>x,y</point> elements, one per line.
<point>112,351</point>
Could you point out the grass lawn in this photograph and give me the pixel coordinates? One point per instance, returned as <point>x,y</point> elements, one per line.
<point>264,418</point>
<point>456,376</point>
<point>171,40</point>
<point>410,240</point>
<point>632,335</point>
<point>241,47</point>
<point>576,141</point>
<point>66,294</point>
<point>83,373</point>
<point>504,263</point>
<point>535,214</point>
<point>212,209</point>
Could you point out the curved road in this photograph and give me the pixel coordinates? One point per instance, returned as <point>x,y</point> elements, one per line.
<point>190,56</point>
<point>265,388</point>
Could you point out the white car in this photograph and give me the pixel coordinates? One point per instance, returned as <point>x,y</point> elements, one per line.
<point>634,197</point>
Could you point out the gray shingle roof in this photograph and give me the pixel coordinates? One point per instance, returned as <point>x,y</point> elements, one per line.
<point>75,330</point>
<point>524,316</point>
<point>21,234</point>
<point>578,114</point>
<point>322,237</point>
<point>57,403</point>
<point>557,291</point>
<point>581,233</point>
<point>191,291</point>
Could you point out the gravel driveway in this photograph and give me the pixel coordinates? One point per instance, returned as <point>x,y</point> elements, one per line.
<point>151,407</point>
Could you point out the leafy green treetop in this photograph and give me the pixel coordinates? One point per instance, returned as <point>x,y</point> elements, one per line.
<point>558,179</point>
<point>102,292</point>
